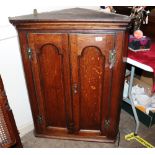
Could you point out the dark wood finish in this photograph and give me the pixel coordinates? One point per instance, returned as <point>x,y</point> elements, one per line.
<point>75,91</point>
<point>50,59</point>
<point>9,136</point>
<point>71,15</point>
<point>88,71</point>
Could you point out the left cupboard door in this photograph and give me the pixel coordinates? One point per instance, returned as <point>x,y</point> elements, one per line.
<point>49,59</point>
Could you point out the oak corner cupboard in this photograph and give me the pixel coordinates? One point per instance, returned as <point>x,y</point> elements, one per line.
<point>74,67</point>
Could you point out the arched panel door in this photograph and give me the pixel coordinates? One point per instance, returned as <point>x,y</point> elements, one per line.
<point>50,69</point>
<point>92,82</point>
<point>91,71</point>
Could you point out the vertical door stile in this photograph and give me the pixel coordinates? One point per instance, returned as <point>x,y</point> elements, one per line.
<point>107,90</point>
<point>118,74</point>
<point>75,81</point>
<point>35,74</point>
<point>112,56</point>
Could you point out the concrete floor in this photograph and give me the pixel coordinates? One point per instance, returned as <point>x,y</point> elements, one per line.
<point>126,126</point>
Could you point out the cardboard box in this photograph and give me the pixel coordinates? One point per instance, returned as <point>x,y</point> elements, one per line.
<point>147,87</point>
<point>145,81</point>
<point>147,77</point>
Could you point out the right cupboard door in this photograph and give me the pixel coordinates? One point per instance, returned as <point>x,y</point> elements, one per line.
<point>96,70</point>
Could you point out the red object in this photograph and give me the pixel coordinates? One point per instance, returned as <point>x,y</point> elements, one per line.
<point>147,58</point>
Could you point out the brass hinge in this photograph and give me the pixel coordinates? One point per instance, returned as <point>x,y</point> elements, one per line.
<point>107,123</point>
<point>112,58</point>
<point>39,119</point>
<point>29,52</point>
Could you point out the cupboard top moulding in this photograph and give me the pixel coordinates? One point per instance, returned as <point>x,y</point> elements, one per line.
<point>74,18</point>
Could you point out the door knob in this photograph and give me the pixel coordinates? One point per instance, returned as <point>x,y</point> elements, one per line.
<point>75,88</point>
